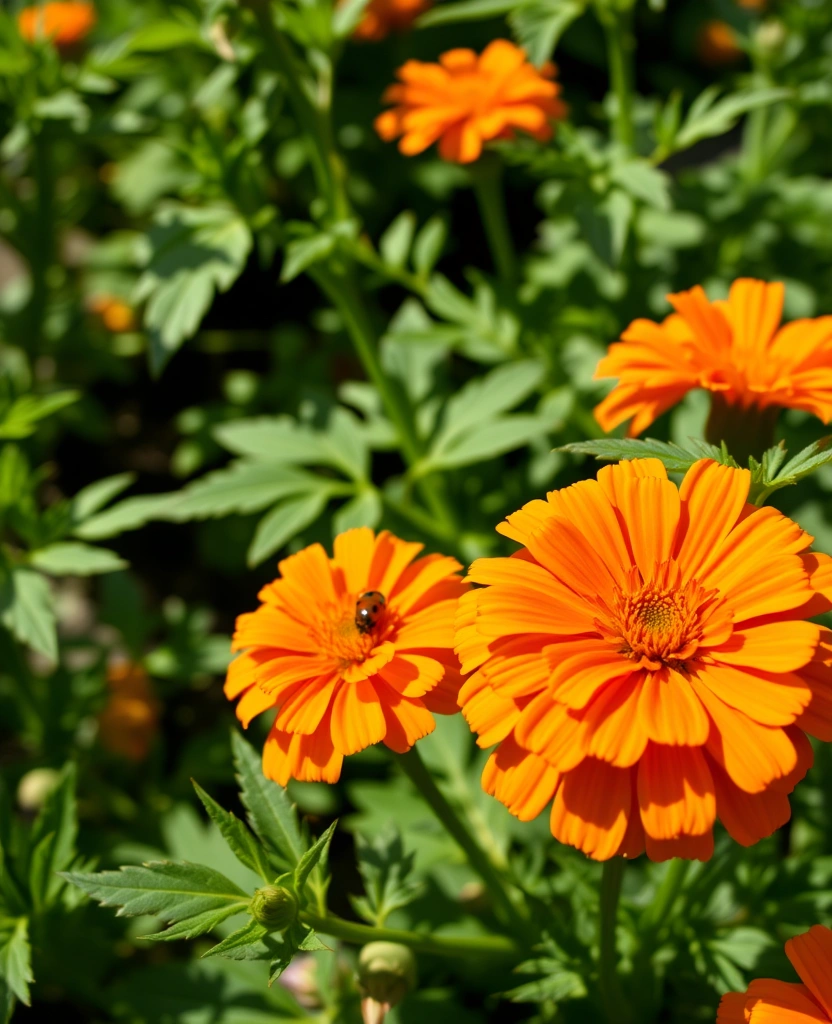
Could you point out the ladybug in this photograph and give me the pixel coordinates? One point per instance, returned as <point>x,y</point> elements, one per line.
<point>368,608</point>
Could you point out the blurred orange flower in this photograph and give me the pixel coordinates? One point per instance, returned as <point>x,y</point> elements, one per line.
<point>735,348</point>
<point>64,23</point>
<point>381,17</point>
<point>116,315</point>
<point>130,721</point>
<point>752,5</point>
<point>350,650</point>
<point>782,1002</point>
<point>465,101</point>
<point>645,661</point>
<point>716,44</point>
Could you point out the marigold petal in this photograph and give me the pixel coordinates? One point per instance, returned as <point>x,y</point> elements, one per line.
<point>303,709</point>
<point>412,675</point>
<point>407,720</point>
<point>684,847</point>
<point>781,1002</point>
<point>489,714</point>
<point>391,558</point>
<point>613,479</point>
<point>431,627</point>
<point>615,730</point>
<point>811,955</point>
<point>577,678</point>
<point>352,553</point>
<point>551,730</point>
<point>675,792</point>
<point>748,817</point>
<point>755,310</point>
<point>773,647</point>
<point>357,717</point>
<point>731,1008</point>
<point>670,711</point>
<point>592,808</point>
<point>713,497</point>
<point>651,509</point>
<point>768,698</point>
<point>559,546</point>
<point>253,703</point>
<point>522,781</point>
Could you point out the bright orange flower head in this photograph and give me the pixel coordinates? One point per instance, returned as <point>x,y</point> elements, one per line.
<point>645,661</point>
<point>381,17</point>
<point>130,721</point>
<point>65,23</point>
<point>350,650</point>
<point>465,101</point>
<point>116,315</point>
<point>716,44</point>
<point>783,1002</point>
<point>734,348</point>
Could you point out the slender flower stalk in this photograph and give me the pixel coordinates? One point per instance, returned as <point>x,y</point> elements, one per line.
<point>617,25</point>
<point>612,998</point>
<point>414,767</point>
<point>486,177</point>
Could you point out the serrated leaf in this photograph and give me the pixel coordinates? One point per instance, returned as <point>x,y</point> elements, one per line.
<point>21,417</point>
<point>675,458</point>
<point>385,868</point>
<point>53,839</point>
<point>251,942</point>
<point>94,497</point>
<point>303,253</point>
<point>314,855</point>
<point>709,116</point>
<point>539,24</point>
<point>242,843</point>
<point>16,957</point>
<point>26,610</point>
<point>466,10</point>
<point>194,897</point>
<point>129,514</point>
<point>241,488</point>
<point>312,944</point>
<point>284,521</point>
<point>271,814</point>
<point>486,397</point>
<point>497,437</point>
<point>69,558</point>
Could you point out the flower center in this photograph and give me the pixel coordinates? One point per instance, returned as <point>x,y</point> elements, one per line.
<point>658,622</point>
<point>338,637</point>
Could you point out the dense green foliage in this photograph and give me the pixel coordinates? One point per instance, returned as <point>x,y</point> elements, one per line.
<point>317,337</point>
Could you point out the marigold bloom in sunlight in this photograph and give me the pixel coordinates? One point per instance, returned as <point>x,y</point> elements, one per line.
<point>381,17</point>
<point>130,721</point>
<point>467,100</point>
<point>734,348</point>
<point>645,662</point>
<point>782,1002</point>
<point>116,315</point>
<point>64,23</point>
<point>350,650</point>
<point>716,43</point>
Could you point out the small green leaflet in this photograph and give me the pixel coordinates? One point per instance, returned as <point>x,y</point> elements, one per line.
<point>26,610</point>
<point>675,458</point>
<point>242,843</point>
<point>271,814</point>
<point>191,897</point>
<point>16,957</point>
<point>20,418</point>
<point>315,854</point>
<point>385,868</point>
<point>72,558</point>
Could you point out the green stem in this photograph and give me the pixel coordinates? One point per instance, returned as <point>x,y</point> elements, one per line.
<point>617,25</point>
<point>487,179</point>
<point>610,987</point>
<point>346,299</point>
<point>656,914</point>
<point>439,945</point>
<point>43,242</point>
<point>414,767</point>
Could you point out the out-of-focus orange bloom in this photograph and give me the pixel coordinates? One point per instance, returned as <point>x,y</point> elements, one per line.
<point>782,1002</point>
<point>129,722</point>
<point>716,44</point>
<point>350,650</point>
<point>465,101</point>
<point>65,23</point>
<point>645,661</point>
<point>735,348</point>
<point>381,17</point>
<point>752,5</point>
<point>115,314</point>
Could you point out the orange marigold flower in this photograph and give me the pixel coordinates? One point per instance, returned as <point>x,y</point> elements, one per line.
<point>350,650</point>
<point>466,100</point>
<point>130,721</point>
<point>735,348</point>
<point>381,17</point>
<point>65,23</point>
<point>645,661</point>
<point>783,1002</point>
<point>116,315</point>
<point>716,44</point>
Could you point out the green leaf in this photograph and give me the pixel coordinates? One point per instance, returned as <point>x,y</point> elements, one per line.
<point>494,438</point>
<point>251,942</point>
<point>271,814</point>
<point>708,116</point>
<point>76,559</point>
<point>129,514</point>
<point>364,509</point>
<point>16,957</point>
<point>52,839</point>
<point>195,252</point>
<point>20,419</point>
<point>394,245</point>
<point>385,868</point>
<point>311,943</point>
<point>466,10</point>
<point>284,522</point>
<point>772,475</point>
<point>429,245</point>
<point>94,497</point>
<point>303,253</point>
<point>26,610</point>
<point>192,898</point>
<point>311,857</point>
<point>644,182</point>
<point>539,24</point>
<point>243,844</point>
<point>675,458</point>
<point>486,397</point>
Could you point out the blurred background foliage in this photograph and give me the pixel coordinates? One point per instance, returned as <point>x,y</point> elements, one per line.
<point>181,402</point>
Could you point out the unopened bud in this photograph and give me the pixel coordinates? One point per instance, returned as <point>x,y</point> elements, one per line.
<point>386,973</point>
<point>274,907</point>
<point>35,787</point>
<point>770,37</point>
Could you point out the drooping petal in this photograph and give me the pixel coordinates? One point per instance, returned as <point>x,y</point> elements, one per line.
<point>779,1002</point>
<point>675,792</point>
<point>357,717</point>
<point>592,808</point>
<point>748,817</point>
<point>551,730</point>
<point>615,730</point>
<point>522,781</point>
<point>670,710</point>
<point>811,956</point>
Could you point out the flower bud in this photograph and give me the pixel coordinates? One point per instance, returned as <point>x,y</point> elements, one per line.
<point>770,37</point>
<point>35,787</point>
<point>274,907</point>
<point>386,973</point>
